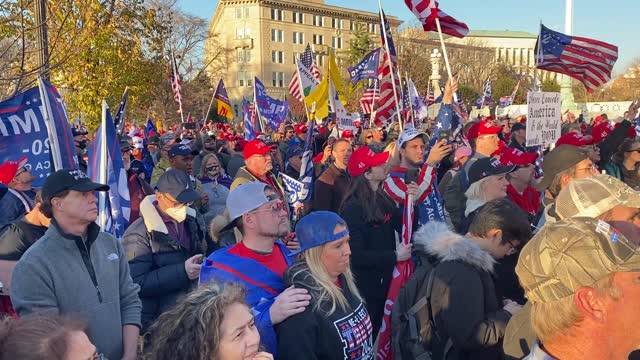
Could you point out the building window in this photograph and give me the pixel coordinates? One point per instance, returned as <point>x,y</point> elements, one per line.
<point>277,35</point>
<point>277,57</point>
<point>298,38</point>
<point>337,23</point>
<point>372,28</point>
<point>242,12</point>
<point>246,12</point>
<point>336,42</point>
<point>277,79</point>
<point>242,33</point>
<point>244,56</point>
<point>318,39</point>
<point>353,25</point>
<point>245,78</point>
<point>298,18</point>
<point>239,13</point>
<point>295,57</point>
<point>235,110</point>
<point>318,20</point>
<point>319,60</point>
<point>276,14</point>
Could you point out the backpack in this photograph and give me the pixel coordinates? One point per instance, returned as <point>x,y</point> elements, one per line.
<point>414,335</point>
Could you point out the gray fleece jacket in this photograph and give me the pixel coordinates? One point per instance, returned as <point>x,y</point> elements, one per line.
<point>58,273</point>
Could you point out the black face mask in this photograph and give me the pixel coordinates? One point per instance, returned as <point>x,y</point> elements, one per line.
<point>81,144</point>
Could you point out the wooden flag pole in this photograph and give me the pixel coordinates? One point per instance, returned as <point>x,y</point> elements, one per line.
<point>446,57</point>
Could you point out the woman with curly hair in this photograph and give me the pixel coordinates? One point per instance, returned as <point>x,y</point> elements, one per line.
<point>212,322</point>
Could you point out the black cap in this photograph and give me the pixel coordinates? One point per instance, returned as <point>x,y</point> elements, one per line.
<point>177,184</point>
<point>77,131</point>
<point>137,166</point>
<point>68,179</point>
<point>154,140</point>
<point>181,149</point>
<point>518,126</point>
<point>558,160</point>
<point>124,145</point>
<point>484,167</point>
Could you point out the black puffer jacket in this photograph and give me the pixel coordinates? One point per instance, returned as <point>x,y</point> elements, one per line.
<point>157,261</point>
<point>465,306</point>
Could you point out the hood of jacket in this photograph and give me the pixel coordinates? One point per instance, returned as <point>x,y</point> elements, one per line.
<point>436,239</point>
<point>151,217</point>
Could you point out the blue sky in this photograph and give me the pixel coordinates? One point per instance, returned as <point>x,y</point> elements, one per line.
<point>614,21</point>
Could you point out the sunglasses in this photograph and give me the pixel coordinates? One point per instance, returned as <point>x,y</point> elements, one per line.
<point>275,208</point>
<point>214,167</point>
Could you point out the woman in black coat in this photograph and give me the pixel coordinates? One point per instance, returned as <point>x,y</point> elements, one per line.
<point>373,220</point>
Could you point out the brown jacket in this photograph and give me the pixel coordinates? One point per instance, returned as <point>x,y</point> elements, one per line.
<point>329,189</point>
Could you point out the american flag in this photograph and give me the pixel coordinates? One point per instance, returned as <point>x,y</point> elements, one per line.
<point>427,11</point>
<point>370,96</point>
<point>590,61</point>
<point>506,101</point>
<point>176,83</point>
<point>121,112</point>
<point>460,108</point>
<point>485,98</point>
<point>431,97</point>
<point>388,75</point>
<point>295,86</point>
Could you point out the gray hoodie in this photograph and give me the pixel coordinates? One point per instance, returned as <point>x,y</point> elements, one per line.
<point>52,276</point>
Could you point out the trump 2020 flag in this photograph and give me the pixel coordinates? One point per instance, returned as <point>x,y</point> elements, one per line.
<point>274,111</point>
<point>419,107</point>
<point>294,188</point>
<point>24,131</point>
<point>306,167</point>
<point>106,167</point>
<point>367,68</point>
<point>249,132</point>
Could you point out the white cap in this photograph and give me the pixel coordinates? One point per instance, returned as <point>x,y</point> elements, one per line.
<point>137,142</point>
<point>411,133</point>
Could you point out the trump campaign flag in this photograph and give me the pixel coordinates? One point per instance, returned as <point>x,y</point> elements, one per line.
<point>367,68</point>
<point>24,131</point>
<point>274,111</point>
<point>419,107</point>
<point>249,132</point>
<point>485,98</point>
<point>427,11</point>
<point>222,99</point>
<point>106,167</point>
<point>587,60</point>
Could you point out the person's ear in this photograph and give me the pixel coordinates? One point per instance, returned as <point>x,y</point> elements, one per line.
<point>494,234</point>
<point>591,304</point>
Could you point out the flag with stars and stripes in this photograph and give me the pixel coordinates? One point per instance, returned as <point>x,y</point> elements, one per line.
<point>296,88</point>
<point>370,96</point>
<point>119,119</point>
<point>176,83</point>
<point>587,60</point>
<point>390,89</point>
<point>105,163</point>
<point>506,101</point>
<point>427,11</point>
<point>485,98</point>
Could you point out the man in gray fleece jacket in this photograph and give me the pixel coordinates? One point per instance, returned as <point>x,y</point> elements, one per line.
<point>76,269</point>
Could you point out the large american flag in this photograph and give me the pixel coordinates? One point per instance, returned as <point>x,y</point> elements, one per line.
<point>427,11</point>
<point>176,83</point>
<point>387,72</point>
<point>590,61</point>
<point>370,96</point>
<point>295,86</point>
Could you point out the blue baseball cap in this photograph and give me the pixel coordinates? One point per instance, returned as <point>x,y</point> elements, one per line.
<point>316,229</point>
<point>177,184</point>
<point>181,149</point>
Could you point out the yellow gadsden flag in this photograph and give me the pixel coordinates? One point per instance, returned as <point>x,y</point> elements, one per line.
<point>336,79</point>
<point>319,96</point>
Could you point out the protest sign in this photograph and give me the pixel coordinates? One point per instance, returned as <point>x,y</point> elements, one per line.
<point>543,118</point>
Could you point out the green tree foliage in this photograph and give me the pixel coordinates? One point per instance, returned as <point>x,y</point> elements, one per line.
<point>360,44</point>
<point>550,85</point>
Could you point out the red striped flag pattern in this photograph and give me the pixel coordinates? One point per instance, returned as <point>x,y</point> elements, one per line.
<point>176,85</point>
<point>369,98</point>
<point>295,87</point>
<point>590,61</point>
<point>427,11</point>
<point>388,99</point>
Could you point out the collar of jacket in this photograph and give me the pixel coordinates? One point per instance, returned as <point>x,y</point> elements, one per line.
<point>337,172</point>
<point>151,217</point>
<point>436,239</point>
<point>93,230</point>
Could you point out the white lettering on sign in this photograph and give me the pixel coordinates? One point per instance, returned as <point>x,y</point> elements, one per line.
<point>543,118</point>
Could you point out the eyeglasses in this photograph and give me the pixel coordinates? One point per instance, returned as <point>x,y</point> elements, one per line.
<point>214,167</point>
<point>635,150</point>
<point>275,208</point>
<point>20,171</point>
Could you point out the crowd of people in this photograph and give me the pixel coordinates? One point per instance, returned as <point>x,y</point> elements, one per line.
<point>517,253</point>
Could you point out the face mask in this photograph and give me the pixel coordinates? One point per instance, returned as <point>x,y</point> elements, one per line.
<point>177,214</point>
<point>81,144</point>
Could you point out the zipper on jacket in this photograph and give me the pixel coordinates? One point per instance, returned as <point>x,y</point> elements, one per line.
<point>86,258</point>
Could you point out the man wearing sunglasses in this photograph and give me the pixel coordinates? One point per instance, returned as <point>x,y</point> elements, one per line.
<point>260,260</point>
<point>166,245</point>
<point>20,196</point>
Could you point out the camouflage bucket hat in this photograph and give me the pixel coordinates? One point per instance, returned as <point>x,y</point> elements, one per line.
<point>572,253</point>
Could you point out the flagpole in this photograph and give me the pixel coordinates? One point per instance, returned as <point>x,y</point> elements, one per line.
<point>537,58</point>
<point>102,168</point>
<point>446,57</point>
<point>206,115</point>
<point>51,129</point>
<point>413,114</point>
<point>393,81</point>
<point>256,108</point>
<point>373,102</point>
<point>177,76</point>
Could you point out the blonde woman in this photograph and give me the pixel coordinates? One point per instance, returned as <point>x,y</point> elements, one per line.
<point>336,324</point>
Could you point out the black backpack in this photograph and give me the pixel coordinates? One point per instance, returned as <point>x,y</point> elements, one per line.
<point>414,335</point>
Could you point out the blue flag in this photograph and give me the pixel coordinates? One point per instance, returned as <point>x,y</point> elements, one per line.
<point>367,68</point>
<point>485,98</point>
<point>117,205</point>
<point>23,132</point>
<point>249,132</point>
<point>293,187</point>
<point>306,167</point>
<point>150,129</point>
<point>272,110</point>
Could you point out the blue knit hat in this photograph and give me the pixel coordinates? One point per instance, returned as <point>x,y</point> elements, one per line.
<point>316,229</point>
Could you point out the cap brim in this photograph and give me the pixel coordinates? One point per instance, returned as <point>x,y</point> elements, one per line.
<point>89,186</point>
<point>379,159</point>
<point>503,170</point>
<point>188,196</point>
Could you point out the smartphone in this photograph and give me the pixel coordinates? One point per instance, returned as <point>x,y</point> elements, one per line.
<point>411,175</point>
<point>444,135</point>
<point>189,125</point>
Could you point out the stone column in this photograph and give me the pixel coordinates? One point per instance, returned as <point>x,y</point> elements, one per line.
<point>436,58</point>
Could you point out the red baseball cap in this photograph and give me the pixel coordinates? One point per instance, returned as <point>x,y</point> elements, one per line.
<point>501,146</point>
<point>513,156</point>
<point>301,128</point>
<point>357,123</point>
<point>600,131</point>
<point>574,139</point>
<point>9,169</point>
<point>255,147</point>
<point>482,128</point>
<point>347,134</point>
<point>363,159</point>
